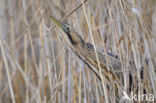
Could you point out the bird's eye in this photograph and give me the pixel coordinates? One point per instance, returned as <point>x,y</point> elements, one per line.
<point>67,27</point>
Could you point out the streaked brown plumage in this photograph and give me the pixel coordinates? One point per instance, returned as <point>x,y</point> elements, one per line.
<point>85,51</point>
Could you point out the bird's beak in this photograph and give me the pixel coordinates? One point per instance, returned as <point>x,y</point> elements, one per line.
<point>57,23</point>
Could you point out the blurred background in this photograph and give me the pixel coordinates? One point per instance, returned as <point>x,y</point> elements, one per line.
<point>37,67</point>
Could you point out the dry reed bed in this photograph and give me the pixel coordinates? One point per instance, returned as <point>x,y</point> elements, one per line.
<point>37,67</point>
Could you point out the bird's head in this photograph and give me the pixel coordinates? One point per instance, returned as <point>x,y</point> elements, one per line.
<point>72,35</point>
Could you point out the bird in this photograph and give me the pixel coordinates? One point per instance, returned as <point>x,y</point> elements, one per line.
<point>85,51</point>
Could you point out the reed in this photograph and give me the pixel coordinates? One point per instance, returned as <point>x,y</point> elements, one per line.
<point>111,54</point>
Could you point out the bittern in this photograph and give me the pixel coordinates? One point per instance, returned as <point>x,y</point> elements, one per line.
<point>85,51</point>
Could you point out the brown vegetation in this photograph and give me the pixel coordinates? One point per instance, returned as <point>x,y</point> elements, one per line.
<point>36,66</point>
